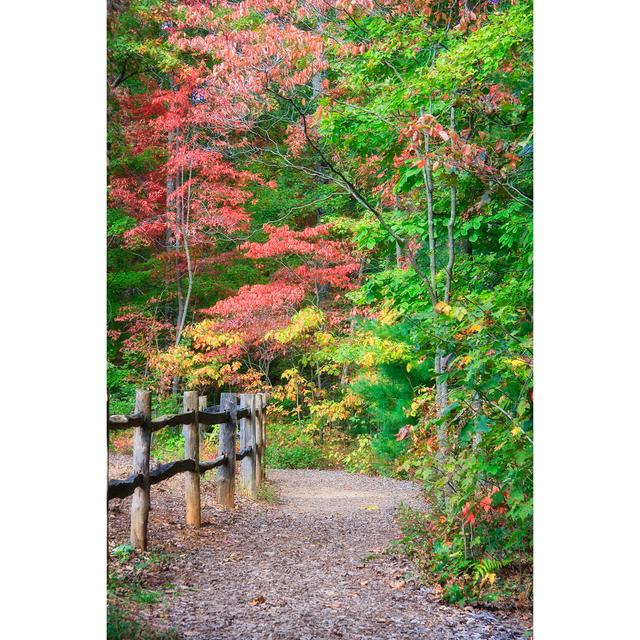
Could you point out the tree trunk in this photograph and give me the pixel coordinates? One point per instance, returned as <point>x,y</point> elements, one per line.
<point>450,224</point>
<point>171,240</point>
<point>476,405</point>
<point>442,398</point>
<point>428,186</point>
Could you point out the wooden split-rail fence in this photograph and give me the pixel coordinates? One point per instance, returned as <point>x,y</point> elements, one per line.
<point>237,411</point>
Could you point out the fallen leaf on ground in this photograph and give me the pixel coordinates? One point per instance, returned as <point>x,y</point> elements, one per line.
<point>370,507</point>
<point>257,600</point>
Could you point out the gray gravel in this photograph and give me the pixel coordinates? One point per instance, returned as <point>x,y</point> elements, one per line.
<point>310,568</point>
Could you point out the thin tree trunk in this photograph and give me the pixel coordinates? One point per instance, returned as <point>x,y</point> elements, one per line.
<point>450,225</point>
<point>185,241</point>
<point>476,405</point>
<point>176,379</point>
<point>442,388</point>
<point>442,399</point>
<point>428,184</point>
<point>180,294</point>
<point>172,238</point>
<point>316,83</point>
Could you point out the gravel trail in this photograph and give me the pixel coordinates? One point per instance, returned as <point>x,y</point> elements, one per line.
<point>309,568</point>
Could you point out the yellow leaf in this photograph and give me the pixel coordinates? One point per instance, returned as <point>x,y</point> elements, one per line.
<point>515,431</point>
<point>443,307</point>
<point>368,359</point>
<point>370,507</point>
<point>388,316</point>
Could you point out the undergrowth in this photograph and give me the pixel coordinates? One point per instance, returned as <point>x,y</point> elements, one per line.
<point>122,626</point>
<point>293,446</point>
<point>297,445</point>
<point>457,563</point>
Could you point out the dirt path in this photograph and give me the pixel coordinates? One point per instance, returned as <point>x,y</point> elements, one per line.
<point>306,569</point>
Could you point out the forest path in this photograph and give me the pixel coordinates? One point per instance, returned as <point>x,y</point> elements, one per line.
<point>308,568</point>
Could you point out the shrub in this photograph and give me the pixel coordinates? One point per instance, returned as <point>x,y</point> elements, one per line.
<point>292,446</point>
<point>296,457</point>
<point>460,558</point>
<point>362,459</point>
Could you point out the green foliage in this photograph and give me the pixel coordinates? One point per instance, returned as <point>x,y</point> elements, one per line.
<point>122,552</point>
<point>385,399</point>
<point>292,446</point>
<point>447,559</point>
<point>487,566</point>
<point>363,459</point>
<point>131,591</point>
<point>167,444</point>
<point>296,457</point>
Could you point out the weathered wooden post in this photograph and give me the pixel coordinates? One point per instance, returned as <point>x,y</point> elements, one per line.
<point>202,405</point>
<point>248,440</point>
<point>263,431</point>
<point>141,500</point>
<point>192,451</point>
<point>227,446</point>
<point>256,417</point>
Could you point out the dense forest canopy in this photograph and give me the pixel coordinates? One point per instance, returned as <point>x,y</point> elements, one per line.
<point>331,200</point>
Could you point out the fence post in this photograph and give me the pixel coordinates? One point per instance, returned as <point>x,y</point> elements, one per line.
<point>202,405</point>
<point>192,451</point>
<point>256,417</point>
<point>227,446</point>
<point>248,439</point>
<point>263,432</point>
<point>141,501</point>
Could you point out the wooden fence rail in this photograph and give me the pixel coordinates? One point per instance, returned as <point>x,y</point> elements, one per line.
<point>244,411</point>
